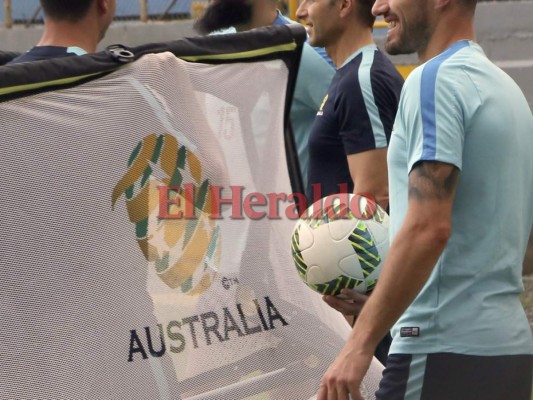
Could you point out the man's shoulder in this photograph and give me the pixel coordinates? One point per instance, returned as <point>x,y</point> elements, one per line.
<point>372,60</point>
<point>39,53</point>
<point>384,72</point>
<point>452,65</point>
<point>371,66</point>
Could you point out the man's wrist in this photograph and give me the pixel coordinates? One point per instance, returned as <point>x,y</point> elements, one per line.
<point>362,339</point>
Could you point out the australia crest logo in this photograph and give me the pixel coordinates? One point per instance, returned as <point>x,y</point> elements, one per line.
<point>165,178</point>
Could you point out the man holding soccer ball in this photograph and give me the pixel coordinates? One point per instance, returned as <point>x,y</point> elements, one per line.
<point>461,184</point>
<point>351,131</point>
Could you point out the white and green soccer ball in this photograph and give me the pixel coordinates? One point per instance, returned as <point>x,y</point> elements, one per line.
<point>341,242</point>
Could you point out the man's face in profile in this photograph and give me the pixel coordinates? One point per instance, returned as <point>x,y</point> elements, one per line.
<point>222,14</point>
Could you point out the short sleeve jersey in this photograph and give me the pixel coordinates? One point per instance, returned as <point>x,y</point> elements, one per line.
<point>356,115</point>
<point>459,108</point>
<point>46,52</point>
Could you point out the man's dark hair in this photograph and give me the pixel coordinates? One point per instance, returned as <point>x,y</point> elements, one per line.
<point>69,10</point>
<point>364,11</point>
<point>470,4</point>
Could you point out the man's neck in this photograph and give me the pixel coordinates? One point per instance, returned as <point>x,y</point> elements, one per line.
<point>263,14</point>
<point>443,37</point>
<point>66,34</point>
<point>351,40</point>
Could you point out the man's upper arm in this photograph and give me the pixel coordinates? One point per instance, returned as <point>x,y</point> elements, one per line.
<point>367,105</point>
<point>436,129</point>
<point>433,118</point>
<point>433,184</point>
<point>368,171</point>
<point>365,115</point>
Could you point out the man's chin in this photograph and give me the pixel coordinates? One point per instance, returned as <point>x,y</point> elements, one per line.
<point>315,42</point>
<point>392,50</point>
<point>395,49</point>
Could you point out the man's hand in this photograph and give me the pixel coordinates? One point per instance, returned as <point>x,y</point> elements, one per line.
<point>344,377</point>
<point>349,305</point>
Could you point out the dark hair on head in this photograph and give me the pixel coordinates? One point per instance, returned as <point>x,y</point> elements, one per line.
<point>469,3</point>
<point>70,10</point>
<point>364,12</point>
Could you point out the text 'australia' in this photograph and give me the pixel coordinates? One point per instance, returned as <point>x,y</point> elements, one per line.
<point>203,330</point>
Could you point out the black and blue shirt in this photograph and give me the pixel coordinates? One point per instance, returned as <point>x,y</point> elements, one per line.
<point>46,52</point>
<point>356,115</point>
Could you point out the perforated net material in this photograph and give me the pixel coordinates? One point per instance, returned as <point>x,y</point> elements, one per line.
<point>104,293</point>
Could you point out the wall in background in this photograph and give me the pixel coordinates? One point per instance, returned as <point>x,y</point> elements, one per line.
<point>504,29</point>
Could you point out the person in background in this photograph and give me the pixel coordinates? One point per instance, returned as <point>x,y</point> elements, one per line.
<point>349,137</point>
<point>71,28</point>
<point>314,74</point>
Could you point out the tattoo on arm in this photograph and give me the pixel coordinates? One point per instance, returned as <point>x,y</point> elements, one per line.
<point>433,180</point>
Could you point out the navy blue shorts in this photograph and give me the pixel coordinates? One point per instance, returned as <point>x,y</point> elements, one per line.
<point>449,376</point>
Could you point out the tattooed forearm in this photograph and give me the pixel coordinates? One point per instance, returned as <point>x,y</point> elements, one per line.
<point>433,180</point>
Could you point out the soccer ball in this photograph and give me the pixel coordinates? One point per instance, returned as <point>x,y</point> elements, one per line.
<point>341,242</point>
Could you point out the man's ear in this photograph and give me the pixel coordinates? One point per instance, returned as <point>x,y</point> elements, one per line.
<point>346,7</point>
<point>102,6</point>
<point>441,4</point>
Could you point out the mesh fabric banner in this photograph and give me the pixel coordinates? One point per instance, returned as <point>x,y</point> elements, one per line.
<point>146,224</point>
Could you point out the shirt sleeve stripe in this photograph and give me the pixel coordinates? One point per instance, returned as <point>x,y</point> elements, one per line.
<point>368,95</point>
<point>427,99</point>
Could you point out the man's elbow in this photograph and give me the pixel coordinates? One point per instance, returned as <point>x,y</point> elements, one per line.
<point>437,233</point>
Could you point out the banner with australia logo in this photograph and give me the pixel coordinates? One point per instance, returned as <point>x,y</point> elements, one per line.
<point>148,199</point>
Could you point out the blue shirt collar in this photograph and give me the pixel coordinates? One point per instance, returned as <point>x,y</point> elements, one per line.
<point>280,19</point>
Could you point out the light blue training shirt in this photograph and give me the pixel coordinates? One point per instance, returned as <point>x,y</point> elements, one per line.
<point>459,108</point>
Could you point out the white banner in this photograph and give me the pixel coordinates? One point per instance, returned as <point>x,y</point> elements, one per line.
<point>146,224</point>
